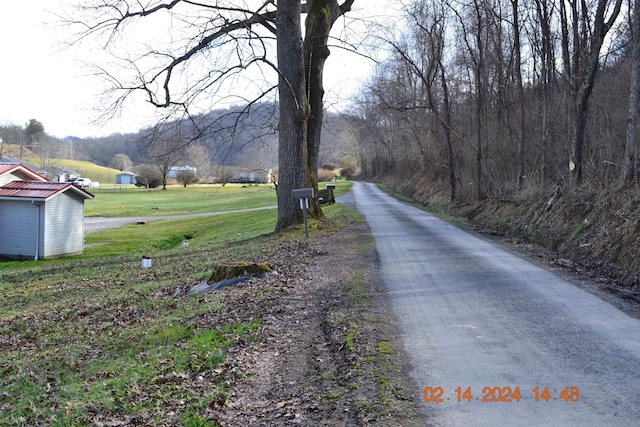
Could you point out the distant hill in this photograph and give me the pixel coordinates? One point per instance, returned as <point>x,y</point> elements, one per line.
<point>89,170</point>
<point>240,136</point>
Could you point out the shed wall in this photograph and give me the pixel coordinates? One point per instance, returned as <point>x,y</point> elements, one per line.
<point>18,229</point>
<point>64,225</point>
<point>125,179</point>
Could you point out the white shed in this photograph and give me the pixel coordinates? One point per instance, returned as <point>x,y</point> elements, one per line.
<point>126,178</point>
<point>39,218</point>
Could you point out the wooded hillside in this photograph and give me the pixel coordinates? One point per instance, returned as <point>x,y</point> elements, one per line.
<point>491,97</point>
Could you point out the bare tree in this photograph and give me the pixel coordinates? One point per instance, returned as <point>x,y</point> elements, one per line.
<point>121,162</point>
<point>214,43</point>
<point>147,176</point>
<point>590,41</point>
<point>165,150</point>
<point>630,168</point>
<point>474,28</point>
<point>517,41</point>
<point>186,177</point>
<point>544,14</point>
<point>519,80</point>
<point>428,44</point>
<point>321,16</point>
<point>294,111</point>
<point>224,174</point>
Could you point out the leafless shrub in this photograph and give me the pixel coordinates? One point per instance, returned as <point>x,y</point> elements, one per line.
<point>325,175</point>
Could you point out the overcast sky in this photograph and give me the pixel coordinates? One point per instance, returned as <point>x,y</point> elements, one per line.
<point>40,79</point>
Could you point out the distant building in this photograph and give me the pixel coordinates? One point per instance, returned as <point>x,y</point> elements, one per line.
<point>126,178</point>
<point>54,173</point>
<point>175,170</point>
<point>39,218</point>
<point>249,176</point>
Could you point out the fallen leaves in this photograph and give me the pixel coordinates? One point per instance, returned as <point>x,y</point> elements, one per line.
<point>281,405</point>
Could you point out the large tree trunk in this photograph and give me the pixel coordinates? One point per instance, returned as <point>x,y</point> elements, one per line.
<point>293,111</point>
<point>321,15</point>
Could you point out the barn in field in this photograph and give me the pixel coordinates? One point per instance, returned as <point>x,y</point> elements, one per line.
<point>39,218</point>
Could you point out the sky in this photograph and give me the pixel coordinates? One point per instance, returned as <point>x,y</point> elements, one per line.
<point>42,80</point>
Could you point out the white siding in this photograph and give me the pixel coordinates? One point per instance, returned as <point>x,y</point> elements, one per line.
<point>13,176</point>
<point>18,175</point>
<point>18,229</point>
<point>64,225</point>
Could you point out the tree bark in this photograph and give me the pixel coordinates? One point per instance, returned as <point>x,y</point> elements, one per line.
<point>321,15</point>
<point>293,111</point>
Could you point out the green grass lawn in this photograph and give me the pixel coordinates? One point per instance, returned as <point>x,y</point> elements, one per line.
<point>176,200</point>
<point>156,236</point>
<point>97,338</point>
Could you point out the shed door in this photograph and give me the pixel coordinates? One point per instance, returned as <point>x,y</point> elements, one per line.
<point>18,229</point>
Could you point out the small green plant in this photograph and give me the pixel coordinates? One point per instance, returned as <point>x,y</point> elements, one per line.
<point>331,395</point>
<point>383,381</point>
<point>169,335</point>
<point>385,348</point>
<point>348,342</point>
<point>191,418</point>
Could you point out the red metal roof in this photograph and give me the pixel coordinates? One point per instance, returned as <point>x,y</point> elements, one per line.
<point>40,189</point>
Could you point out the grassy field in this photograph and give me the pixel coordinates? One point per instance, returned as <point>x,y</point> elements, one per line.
<point>81,337</point>
<point>177,200</point>
<point>156,236</point>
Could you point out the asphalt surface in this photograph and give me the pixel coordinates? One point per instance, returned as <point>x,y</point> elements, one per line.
<point>96,223</point>
<point>475,315</point>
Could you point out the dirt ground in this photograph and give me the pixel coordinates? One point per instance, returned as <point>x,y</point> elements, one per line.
<point>327,353</point>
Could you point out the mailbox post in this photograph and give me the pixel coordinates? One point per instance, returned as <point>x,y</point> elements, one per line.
<point>304,194</point>
<point>331,187</point>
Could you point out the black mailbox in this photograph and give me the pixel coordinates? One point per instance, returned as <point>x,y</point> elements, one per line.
<point>331,186</point>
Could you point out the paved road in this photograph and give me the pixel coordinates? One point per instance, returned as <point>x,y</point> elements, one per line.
<point>474,314</point>
<point>96,223</point>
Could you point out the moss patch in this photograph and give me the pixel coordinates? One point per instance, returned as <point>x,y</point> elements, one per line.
<point>238,269</point>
